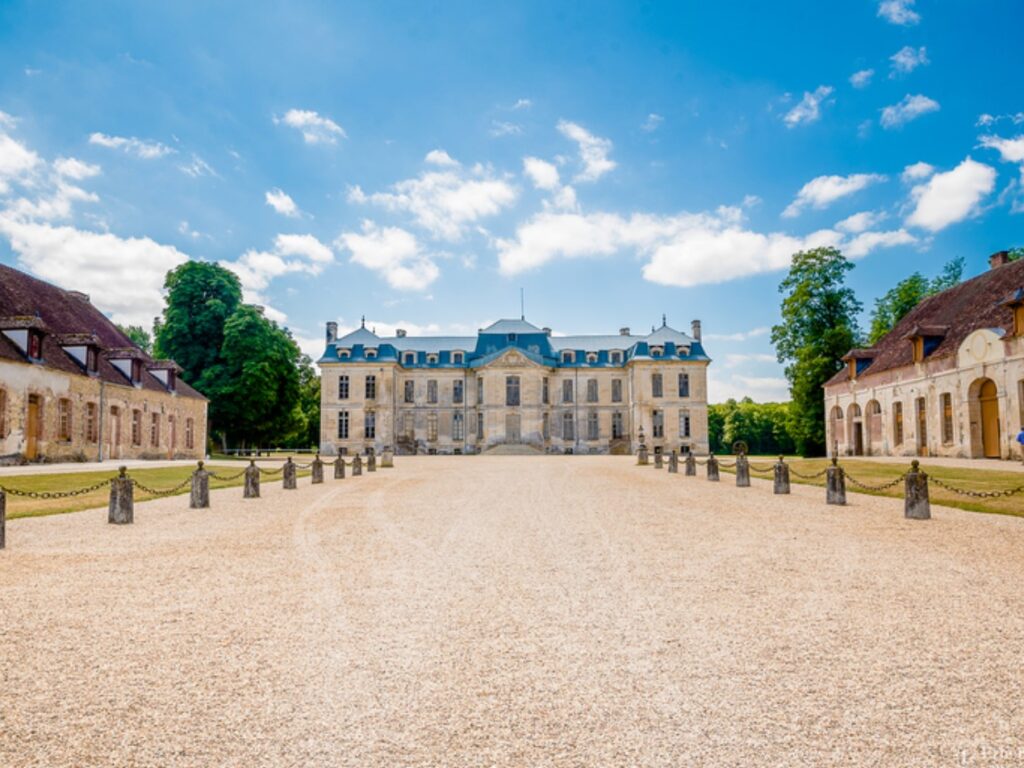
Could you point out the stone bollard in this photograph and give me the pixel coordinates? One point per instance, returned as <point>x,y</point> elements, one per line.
<point>673,462</point>
<point>3,520</point>
<point>781,485</point>
<point>339,468</point>
<point>252,481</point>
<point>200,496</point>
<point>712,468</point>
<point>835,484</point>
<point>387,459</point>
<point>742,471</point>
<point>357,465</point>
<point>122,499</point>
<point>641,456</point>
<point>318,470</point>
<point>916,505</point>
<point>691,465</point>
<point>288,475</point>
<point>371,462</point>
<point>658,461</point>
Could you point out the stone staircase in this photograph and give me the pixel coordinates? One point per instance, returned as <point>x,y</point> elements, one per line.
<point>513,449</point>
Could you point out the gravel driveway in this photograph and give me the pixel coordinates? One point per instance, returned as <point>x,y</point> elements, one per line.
<point>513,611</point>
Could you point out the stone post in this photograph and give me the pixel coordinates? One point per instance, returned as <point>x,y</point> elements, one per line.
<point>742,471</point>
<point>641,456</point>
<point>371,462</point>
<point>673,462</point>
<point>339,468</point>
<point>658,461</point>
<point>835,484</point>
<point>357,465</point>
<point>781,476</point>
<point>387,459</point>
<point>252,481</point>
<point>712,468</point>
<point>200,496</point>
<point>318,470</point>
<point>691,465</point>
<point>122,499</point>
<point>916,504</point>
<point>288,475</point>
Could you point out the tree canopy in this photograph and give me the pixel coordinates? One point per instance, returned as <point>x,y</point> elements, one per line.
<point>139,337</point>
<point>764,427</point>
<point>907,294</point>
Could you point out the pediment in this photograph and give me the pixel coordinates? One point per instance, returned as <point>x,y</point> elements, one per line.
<point>512,358</point>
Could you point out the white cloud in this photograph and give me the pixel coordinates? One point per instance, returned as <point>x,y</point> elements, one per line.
<point>54,204</point>
<point>185,229</point>
<point>761,389</point>
<point>985,120</point>
<point>197,167</point>
<point>305,246</point>
<point>859,222</point>
<point>1010,150</point>
<point>652,123</point>
<point>441,158</point>
<point>910,108</point>
<point>290,254</point>
<point>16,161</point>
<point>899,12</point>
<point>950,197</point>
<point>734,360</point>
<point>522,104</point>
<point>593,151</point>
<point>392,252</point>
<point>315,128</point>
<point>71,168</point>
<point>543,174</point>
<point>445,202</point>
<point>862,78</point>
<point>907,59</point>
<point>282,202</point>
<point>141,148</point>
<point>822,191</point>
<point>753,333</point>
<point>499,128</point>
<point>866,242</point>
<point>916,172</point>
<point>809,108</point>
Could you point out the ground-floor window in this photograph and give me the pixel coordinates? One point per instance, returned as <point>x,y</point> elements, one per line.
<point>190,438</point>
<point>172,428</point>
<point>480,424</point>
<point>432,427</point>
<point>343,425</point>
<point>568,433</point>
<point>617,430</point>
<point>545,425</point>
<point>64,419</point>
<point>593,427</point>
<point>458,426</point>
<point>154,430</point>
<point>370,426</point>
<point>409,425</point>
<point>136,427</point>
<point>91,427</point>
<point>947,417</point>
<point>897,423</point>
<point>658,423</point>
<point>684,423</point>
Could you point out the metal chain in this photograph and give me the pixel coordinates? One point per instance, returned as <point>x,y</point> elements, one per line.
<point>976,494</point>
<point>876,488</point>
<point>755,468</point>
<point>270,471</point>
<point>228,478</point>
<point>808,477</point>
<point>726,464</point>
<point>155,492</point>
<point>56,494</point>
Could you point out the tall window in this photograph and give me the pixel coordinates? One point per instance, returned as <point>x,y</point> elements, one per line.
<point>511,390</point>
<point>370,425</point>
<point>343,387</point>
<point>371,387</point>
<point>617,431</point>
<point>64,419</point>
<point>947,418</point>
<point>154,430</point>
<point>458,426</point>
<point>568,432</point>
<point>545,426</point>
<point>457,395</point>
<point>457,358</point>
<point>432,391</point>
<point>479,426</point>
<point>3,413</point>
<point>136,427</point>
<point>922,422</point>
<point>409,425</point>
<point>616,390</point>
<point>897,423</point>
<point>544,393</point>
<point>432,427</point>
<point>658,421</point>
<point>684,385</point>
<point>656,387</point>
<point>190,440</point>
<point>172,431</point>
<point>410,391</point>
<point>479,390</point>
<point>684,423</point>
<point>343,425</point>
<point>593,428</point>
<point>615,357</point>
<point>591,390</point>
<point>567,391</point>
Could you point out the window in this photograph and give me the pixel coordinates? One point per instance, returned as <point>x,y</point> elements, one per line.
<point>656,388</point>
<point>432,427</point>
<point>591,357</point>
<point>154,430</point>
<point>432,359</point>
<point>35,345</point>
<point>64,419</point>
<point>593,427</point>
<point>617,431</point>
<point>567,391</point>
<point>616,390</point>
<point>922,422</point>
<point>344,354</point>
<point>568,433</point>
<point>371,387</point>
<point>511,337</point>
<point>136,427</point>
<point>458,426</point>
<point>91,423</point>
<point>544,393</point>
<point>343,425</point>
<point>684,385</point>
<point>658,423</point>
<point>591,390</point>
<point>457,358</point>
<point>409,425</point>
<point>897,423</point>
<point>947,418</point>
<point>371,354</point>
<point>457,396</point>
<point>568,356</point>
<point>479,390</point>
<point>190,440</point>
<point>92,360</point>
<point>479,426</point>
<point>511,390</point>
<point>370,425</point>
<point>615,356</point>
<point>432,391</point>
<point>3,413</point>
<point>410,391</point>
<point>408,358</point>
<point>684,423</point>
<point>172,426</point>
<point>657,351</point>
<point>545,426</point>
<point>343,387</point>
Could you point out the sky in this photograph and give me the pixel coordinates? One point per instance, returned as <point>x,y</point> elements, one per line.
<point>420,163</point>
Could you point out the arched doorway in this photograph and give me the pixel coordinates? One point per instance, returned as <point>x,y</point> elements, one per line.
<point>874,428</point>
<point>988,399</point>
<point>855,429</point>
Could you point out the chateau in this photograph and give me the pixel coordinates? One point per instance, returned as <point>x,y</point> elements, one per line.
<point>514,383</point>
<point>74,387</point>
<point>948,380</point>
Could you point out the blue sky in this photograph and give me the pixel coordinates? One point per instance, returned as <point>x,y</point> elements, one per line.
<point>419,163</point>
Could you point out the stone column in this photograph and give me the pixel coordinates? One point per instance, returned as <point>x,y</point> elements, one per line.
<point>387,459</point>
<point>835,484</point>
<point>318,470</point>
<point>781,476</point>
<point>288,475</point>
<point>357,465</point>
<point>641,456</point>
<point>252,481</point>
<point>712,468</point>
<point>673,462</point>
<point>122,499</point>
<point>742,472</point>
<point>691,465</point>
<point>658,461</point>
<point>339,468</point>
<point>200,496</point>
<point>916,505</point>
<point>371,462</point>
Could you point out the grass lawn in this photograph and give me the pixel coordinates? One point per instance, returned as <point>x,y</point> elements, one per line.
<point>874,473</point>
<point>158,479</point>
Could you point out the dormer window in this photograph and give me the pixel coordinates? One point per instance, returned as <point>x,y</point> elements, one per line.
<point>568,356</point>
<point>592,357</point>
<point>344,353</point>
<point>925,339</point>
<point>458,358</point>
<point>371,353</point>
<point>512,337</point>
<point>657,351</point>
<point>615,356</point>
<point>92,359</point>
<point>408,358</point>
<point>35,345</point>
<point>431,359</point>
<point>136,371</point>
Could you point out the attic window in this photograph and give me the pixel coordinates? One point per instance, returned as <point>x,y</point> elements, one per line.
<point>344,354</point>
<point>568,356</point>
<point>511,337</point>
<point>457,358</point>
<point>92,360</point>
<point>432,359</point>
<point>657,351</point>
<point>35,345</point>
<point>592,357</point>
<point>371,353</point>
<point>409,358</point>
<point>615,356</point>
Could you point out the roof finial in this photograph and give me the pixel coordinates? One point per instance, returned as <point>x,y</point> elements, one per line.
<point>362,323</point>
<point>663,322</point>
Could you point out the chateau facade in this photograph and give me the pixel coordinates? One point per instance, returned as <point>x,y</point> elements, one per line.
<point>948,380</point>
<point>513,383</point>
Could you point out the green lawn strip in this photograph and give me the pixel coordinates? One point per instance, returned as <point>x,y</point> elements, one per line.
<point>877,473</point>
<point>158,479</point>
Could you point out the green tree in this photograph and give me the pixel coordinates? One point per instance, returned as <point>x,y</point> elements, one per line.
<point>907,294</point>
<point>764,427</point>
<point>818,327</point>
<point>139,336</point>
<point>307,433</point>
<point>1016,253</point>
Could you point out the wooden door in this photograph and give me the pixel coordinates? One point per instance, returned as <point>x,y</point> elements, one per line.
<point>512,429</point>
<point>115,432</point>
<point>922,427</point>
<point>990,420</point>
<point>32,428</point>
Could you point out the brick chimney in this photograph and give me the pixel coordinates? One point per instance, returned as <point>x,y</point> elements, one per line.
<point>623,331</point>
<point>400,333</point>
<point>695,330</point>
<point>332,332</point>
<point>998,259</point>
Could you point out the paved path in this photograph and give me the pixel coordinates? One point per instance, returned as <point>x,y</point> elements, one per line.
<point>513,611</point>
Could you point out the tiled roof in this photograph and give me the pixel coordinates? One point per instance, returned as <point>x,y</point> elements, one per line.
<point>67,315</point>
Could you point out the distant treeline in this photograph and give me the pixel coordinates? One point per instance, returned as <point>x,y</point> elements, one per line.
<point>764,427</point>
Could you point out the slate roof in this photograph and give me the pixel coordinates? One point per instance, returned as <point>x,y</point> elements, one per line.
<point>63,314</point>
<point>954,314</point>
<point>511,326</point>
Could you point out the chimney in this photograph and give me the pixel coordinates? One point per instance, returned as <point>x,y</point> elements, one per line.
<point>332,332</point>
<point>80,296</point>
<point>547,331</point>
<point>998,259</point>
<point>400,333</point>
<point>695,330</point>
<point>623,331</point>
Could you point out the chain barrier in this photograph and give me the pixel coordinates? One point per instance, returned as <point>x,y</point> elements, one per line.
<point>875,488</point>
<point>815,476</point>
<point>976,494</point>
<point>155,492</point>
<point>228,478</point>
<point>270,471</point>
<point>726,464</point>
<point>55,494</point>
<point>755,468</point>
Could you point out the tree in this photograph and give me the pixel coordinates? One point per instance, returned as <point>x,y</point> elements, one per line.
<point>139,336</point>
<point>764,427</point>
<point>907,294</point>
<point>818,327</point>
<point>309,403</point>
<point>1016,253</point>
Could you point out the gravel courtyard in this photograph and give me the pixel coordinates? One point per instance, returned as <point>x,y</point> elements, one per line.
<point>513,611</point>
